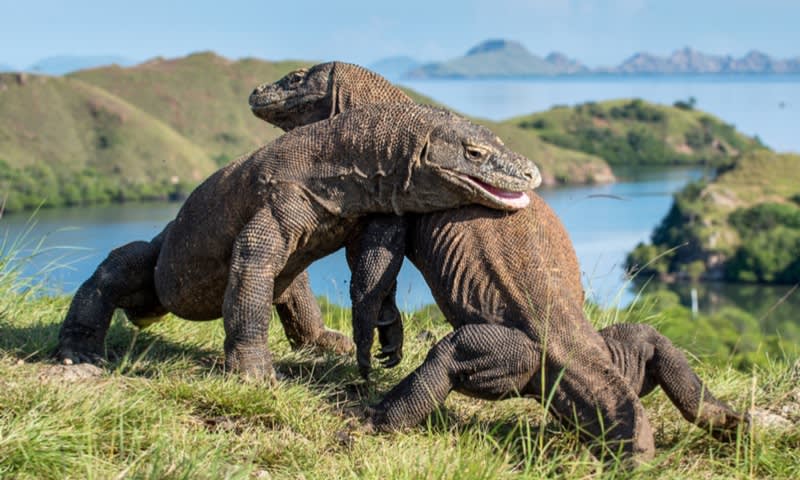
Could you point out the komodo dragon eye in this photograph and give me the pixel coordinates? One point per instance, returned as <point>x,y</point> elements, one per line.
<point>474,153</point>
<point>296,78</point>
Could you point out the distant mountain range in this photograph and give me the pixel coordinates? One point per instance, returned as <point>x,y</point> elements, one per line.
<point>64,64</point>
<point>507,58</point>
<point>499,58</point>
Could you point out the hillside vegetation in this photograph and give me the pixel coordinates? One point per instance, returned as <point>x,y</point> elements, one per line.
<point>67,142</point>
<point>635,132</point>
<point>202,96</point>
<point>742,226</point>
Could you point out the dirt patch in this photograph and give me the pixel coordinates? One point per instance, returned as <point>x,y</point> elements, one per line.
<point>763,418</point>
<point>684,148</point>
<point>721,197</point>
<point>70,373</point>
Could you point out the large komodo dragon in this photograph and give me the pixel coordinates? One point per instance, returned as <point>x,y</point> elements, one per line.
<point>509,284</point>
<point>246,232</point>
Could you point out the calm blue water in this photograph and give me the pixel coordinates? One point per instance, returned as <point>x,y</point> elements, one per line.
<point>603,229</point>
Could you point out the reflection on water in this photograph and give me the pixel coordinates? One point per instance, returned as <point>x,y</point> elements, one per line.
<point>775,307</point>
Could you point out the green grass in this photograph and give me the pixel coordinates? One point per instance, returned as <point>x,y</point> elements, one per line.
<point>163,408</point>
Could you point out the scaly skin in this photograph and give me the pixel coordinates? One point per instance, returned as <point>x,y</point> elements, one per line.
<point>244,235</point>
<point>510,310</point>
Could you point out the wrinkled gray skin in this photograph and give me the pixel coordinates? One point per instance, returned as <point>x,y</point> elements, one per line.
<point>242,236</point>
<point>510,285</point>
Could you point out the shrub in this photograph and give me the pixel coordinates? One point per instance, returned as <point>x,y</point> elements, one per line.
<point>637,110</point>
<point>765,216</point>
<point>767,256</point>
<point>698,138</point>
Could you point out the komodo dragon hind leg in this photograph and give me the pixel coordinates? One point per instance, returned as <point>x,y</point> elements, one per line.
<point>302,322</point>
<point>492,362</point>
<point>666,365</point>
<point>375,257</point>
<point>123,280</point>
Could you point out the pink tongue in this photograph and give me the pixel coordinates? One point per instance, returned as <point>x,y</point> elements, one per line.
<point>512,199</point>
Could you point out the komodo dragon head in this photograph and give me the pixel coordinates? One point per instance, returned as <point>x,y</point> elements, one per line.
<point>308,95</point>
<point>470,155</point>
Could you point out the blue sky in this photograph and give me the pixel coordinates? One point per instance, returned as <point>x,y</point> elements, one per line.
<point>600,32</point>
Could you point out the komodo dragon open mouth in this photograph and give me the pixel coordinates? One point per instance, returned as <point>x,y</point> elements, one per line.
<point>498,197</point>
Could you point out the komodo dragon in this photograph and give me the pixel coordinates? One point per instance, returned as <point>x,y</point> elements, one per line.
<point>245,233</point>
<point>517,300</point>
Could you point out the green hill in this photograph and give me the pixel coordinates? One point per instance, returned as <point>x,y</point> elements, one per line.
<point>742,226</point>
<point>633,132</point>
<point>202,96</point>
<point>68,142</point>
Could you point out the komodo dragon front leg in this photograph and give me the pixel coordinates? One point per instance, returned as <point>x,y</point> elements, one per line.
<point>375,257</point>
<point>125,280</point>
<point>260,252</point>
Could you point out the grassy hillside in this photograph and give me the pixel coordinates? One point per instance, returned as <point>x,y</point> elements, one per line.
<point>634,132</point>
<point>202,96</point>
<point>61,133</point>
<point>742,226</point>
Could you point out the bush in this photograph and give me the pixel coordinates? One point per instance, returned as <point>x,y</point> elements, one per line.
<point>39,185</point>
<point>647,258</point>
<point>637,110</point>
<point>767,256</point>
<point>538,124</point>
<point>698,138</point>
<point>688,104</point>
<point>765,216</point>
